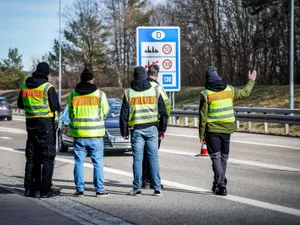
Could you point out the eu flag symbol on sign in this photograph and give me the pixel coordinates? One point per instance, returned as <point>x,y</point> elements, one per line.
<point>161,46</point>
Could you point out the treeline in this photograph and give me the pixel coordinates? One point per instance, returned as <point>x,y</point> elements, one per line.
<point>234,35</point>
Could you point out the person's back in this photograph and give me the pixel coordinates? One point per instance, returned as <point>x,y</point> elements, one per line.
<point>153,73</point>
<point>40,103</point>
<point>87,109</point>
<point>140,109</point>
<point>217,122</point>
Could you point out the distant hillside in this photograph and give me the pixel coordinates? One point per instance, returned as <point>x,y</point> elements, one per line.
<point>262,96</point>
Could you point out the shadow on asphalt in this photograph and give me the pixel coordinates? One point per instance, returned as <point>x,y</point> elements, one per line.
<point>109,186</point>
<point>106,154</point>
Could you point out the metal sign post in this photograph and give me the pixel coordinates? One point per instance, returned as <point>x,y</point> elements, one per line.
<point>292,57</point>
<point>161,46</point>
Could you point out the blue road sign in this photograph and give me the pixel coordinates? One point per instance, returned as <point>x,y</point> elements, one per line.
<point>161,46</point>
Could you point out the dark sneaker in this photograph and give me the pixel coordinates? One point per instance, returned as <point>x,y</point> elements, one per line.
<point>79,194</point>
<point>50,194</point>
<point>152,186</point>
<point>158,193</point>
<point>146,184</point>
<point>135,193</point>
<point>214,188</point>
<point>102,194</point>
<point>29,193</point>
<point>221,191</point>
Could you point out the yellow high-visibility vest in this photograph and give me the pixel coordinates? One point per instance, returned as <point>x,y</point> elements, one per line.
<point>36,102</point>
<point>164,95</point>
<point>143,106</point>
<point>220,105</point>
<point>87,117</point>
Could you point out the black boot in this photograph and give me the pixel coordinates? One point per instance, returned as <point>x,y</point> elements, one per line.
<point>215,187</point>
<point>221,191</point>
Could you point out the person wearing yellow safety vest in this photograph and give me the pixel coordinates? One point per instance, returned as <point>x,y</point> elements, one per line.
<point>152,72</point>
<point>217,122</point>
<point>88,107</point>
<point>142,106</point>
<point>40,102</point>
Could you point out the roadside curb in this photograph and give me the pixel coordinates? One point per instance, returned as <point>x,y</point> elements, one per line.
<point>63,205</point>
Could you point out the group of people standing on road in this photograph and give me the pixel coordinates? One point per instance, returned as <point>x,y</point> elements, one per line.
<point>143,119</point>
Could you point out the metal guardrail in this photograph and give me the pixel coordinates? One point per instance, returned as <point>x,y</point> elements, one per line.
<point>264,115</point>
<point>17,111</point>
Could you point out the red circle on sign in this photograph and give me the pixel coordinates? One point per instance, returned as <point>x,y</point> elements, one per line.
<point>165,47</point>
<point>167,64</point>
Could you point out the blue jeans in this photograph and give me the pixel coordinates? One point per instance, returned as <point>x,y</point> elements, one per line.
<point>139,138</point>
<point>95,147</point>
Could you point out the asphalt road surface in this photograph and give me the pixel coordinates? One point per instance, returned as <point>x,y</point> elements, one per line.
<point>263,182</point>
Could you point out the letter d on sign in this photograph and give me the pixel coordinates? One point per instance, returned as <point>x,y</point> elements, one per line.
<point>158,35</point>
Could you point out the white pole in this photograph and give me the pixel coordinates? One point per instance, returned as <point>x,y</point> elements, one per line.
<point>59,73</point>
<point>292,57</point>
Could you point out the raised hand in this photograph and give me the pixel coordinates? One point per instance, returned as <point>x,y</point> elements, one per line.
<point>252,76</point>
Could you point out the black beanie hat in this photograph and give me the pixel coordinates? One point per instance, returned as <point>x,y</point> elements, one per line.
<point>43,67</point>
<point>139,73</point>
<point>211,74</point>
<point>86,75</point>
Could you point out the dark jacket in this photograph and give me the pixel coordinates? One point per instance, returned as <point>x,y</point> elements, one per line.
<point>40,125</point>
<point>85,88</point>
<point>142,85</point>
<point>152,80</point>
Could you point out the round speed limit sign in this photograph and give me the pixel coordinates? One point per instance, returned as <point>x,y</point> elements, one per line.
<point>167,64</point>
<point>167,49</point>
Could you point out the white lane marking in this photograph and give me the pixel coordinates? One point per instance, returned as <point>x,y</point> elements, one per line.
<point>20,131</point>
<point>247,201</point>
<point>176,152</point>
<point>243,142</point>
<point>19,119</point>
<point>13,130</point>
<point>6,138</point>
<point>235,161</point>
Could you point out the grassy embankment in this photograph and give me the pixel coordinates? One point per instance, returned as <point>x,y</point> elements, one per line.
<point>262,96</point>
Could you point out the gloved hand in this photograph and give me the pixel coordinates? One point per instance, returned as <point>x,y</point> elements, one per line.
<point>161,135</point>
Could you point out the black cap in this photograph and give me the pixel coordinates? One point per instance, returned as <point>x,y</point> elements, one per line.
<point>86,75</point>
<point>211,73</point>
<point>139,73</point>
<point>43,67</point>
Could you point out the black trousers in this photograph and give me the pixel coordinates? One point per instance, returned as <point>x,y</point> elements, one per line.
<point>218,149</point>
<point>146,173</point>
<point>40,154</point>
